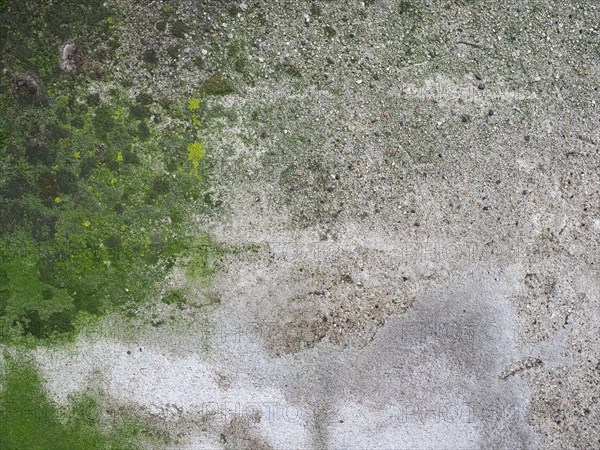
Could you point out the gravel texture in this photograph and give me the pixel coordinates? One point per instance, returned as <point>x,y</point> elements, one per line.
<point>411,190</point>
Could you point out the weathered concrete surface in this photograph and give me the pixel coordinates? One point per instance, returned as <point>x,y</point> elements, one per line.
<point>420,181</point>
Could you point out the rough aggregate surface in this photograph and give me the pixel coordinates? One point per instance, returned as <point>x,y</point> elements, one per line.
<point>403,204</point>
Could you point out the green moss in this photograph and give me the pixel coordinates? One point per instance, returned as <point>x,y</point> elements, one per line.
<point>89,224</point>
<point>178,29</point>
<point>290,70</point>
<point>406,7</point>
<point>139,112</point>
<point>93,100</point>
<point>329,31</point>
<point>216,85</point>
<point>236,57</point>
<point>143,131</point>
<point>203,258</point>
<point>173,51</point>
<point>175,297</point>
<point>94,201</point>
<point>4,138</point>
<point>54,23</point>
<point>150,57</point>
<point>33,308</point>
<point>144,99</point>
<point>29,420</point>
<point>196,153</point>
<point>193,104</point>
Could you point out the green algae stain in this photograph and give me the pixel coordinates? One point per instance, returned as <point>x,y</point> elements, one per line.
<point>29,420</point>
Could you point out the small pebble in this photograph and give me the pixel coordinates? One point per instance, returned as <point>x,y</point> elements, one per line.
<point>491,112</point>
<point>144,41</point>
<point>481,86</point>
<point>330,60</point>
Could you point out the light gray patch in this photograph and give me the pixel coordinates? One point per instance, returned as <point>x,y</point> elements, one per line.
<point>430,375</point>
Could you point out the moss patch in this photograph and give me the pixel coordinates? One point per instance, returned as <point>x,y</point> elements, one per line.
<point>29,420</point>
<point>329,31</point>
<point>55,24</point>
<point>216,85</point>
<point>94,201</point>
<point>92,217</point>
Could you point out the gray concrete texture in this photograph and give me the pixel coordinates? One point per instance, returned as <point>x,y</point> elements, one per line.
<point>420,185</point>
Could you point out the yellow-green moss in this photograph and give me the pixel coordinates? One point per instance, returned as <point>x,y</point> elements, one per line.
<point>196,153</point>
